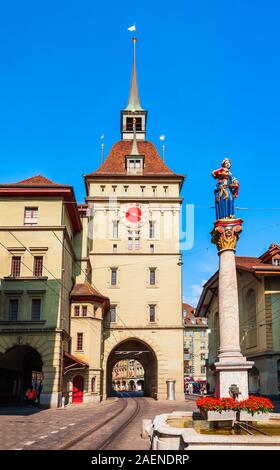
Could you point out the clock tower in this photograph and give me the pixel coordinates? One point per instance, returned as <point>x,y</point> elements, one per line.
<point>134,253</point>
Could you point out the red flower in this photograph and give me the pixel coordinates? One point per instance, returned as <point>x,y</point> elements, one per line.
<point>252,405</point>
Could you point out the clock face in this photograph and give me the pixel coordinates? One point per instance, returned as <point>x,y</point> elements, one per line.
<point>133,215</point>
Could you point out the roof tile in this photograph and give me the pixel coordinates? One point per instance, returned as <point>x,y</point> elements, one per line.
<point>115,162</point>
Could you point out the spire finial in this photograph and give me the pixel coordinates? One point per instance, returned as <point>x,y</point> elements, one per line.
<point>133,100</point>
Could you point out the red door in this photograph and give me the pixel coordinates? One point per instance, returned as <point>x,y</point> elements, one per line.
<point>78,389</point>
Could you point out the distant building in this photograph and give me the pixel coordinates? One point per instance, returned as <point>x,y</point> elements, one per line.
<point>259,311</point>
<point>195,345</point>
<point>128,374</point>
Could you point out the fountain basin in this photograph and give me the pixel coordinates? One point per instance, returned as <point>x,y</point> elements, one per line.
<point>180,431</point>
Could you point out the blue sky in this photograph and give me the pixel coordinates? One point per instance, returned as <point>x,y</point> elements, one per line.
<point>208,72</point>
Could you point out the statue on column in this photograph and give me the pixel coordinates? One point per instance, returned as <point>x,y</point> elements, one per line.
<point>226,191</point>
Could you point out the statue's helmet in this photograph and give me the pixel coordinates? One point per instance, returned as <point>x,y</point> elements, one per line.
<point>226,163</point>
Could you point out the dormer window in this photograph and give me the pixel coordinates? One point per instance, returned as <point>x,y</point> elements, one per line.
<point>134,165</point>
<point>276,261</point>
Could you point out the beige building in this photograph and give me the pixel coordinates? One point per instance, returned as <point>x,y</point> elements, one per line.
<point>195,345</point>
<point>83,284</point>
<point>38,223</point>
<point>259,310</point>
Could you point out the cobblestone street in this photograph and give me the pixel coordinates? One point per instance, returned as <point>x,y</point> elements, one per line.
<point>25,428</point>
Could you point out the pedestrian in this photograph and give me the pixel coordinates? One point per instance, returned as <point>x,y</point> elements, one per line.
<point>39,387</point>
<point>31,396</point>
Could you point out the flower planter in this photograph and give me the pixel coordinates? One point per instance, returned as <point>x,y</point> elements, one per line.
<point>245,416</point>
<point>226,415</point>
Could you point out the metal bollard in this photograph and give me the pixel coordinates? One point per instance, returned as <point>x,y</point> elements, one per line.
<point>170,389</point>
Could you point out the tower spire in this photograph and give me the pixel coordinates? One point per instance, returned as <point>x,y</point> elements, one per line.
<point>133,100</point>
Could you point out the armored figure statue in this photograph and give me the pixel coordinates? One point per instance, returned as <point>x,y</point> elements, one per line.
<point>226,191</point>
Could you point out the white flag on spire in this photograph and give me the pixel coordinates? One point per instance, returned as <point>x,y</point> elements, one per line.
<point>132,28</point>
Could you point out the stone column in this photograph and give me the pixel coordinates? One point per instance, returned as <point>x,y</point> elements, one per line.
<point>232,367</point>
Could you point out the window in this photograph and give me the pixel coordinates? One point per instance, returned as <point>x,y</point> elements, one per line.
<point>77,311</point>
<point>130,244</point>
<point>202,334</point>
<point>93,384</point>
<point>152,316</point>
<point>203,369</point>
<point>95,311</point>
<point>15,269</point>
<point>202,357</point>
<point>151,229</point>
<point>129,124</point>
<point>80,340</point>
<point>84,310</point>
<point>113,277</point>
<point>115,248</point>
<point>142,189</point>
<point>36,309</point>
<point>31,216</point>
<point>38,266</point>
<point>134,164</point>
<point>152,276</point>
<point>154,190</point>
<point>113,314</point>
<point>115,229</point>
<point>251,311</point>
<point>165,188</point>
<point>13,309</point>
<point>152,248</point>
<point>202,345</point>
<point>137,244</point>
<point>276,261</point>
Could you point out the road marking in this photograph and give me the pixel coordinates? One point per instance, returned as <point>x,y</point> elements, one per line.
<point>29,443</point>
<point>53,432</point>
<point>43,437</point>
<point>63,427</point>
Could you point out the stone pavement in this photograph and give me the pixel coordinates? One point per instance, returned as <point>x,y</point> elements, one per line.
<point>130,439</point>
<point>30,428</point>
<point>22,427</point>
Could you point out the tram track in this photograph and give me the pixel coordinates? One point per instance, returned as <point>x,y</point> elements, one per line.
<point>121,428</point>
<point>90,439</point>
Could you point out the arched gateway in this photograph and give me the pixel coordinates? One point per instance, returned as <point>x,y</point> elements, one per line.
<point>20,366</point>
<point>134,348</point>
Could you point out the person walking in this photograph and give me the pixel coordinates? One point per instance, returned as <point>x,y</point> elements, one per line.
<point>38,387</point>
<point>31,395</point>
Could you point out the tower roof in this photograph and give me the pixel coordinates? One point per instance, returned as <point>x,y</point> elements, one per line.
<point>134,100</point>
<point>115,164</point>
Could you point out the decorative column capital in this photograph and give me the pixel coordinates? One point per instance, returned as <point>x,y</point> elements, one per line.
<point>226,233</point>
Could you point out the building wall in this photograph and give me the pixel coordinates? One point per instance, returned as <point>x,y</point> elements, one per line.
<point>49,335</point>
<point>132,295</point>
<point>259,333</point>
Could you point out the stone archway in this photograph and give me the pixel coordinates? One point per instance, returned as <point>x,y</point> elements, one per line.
<point>135,348</point>
<point>20,366</point>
